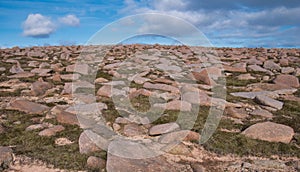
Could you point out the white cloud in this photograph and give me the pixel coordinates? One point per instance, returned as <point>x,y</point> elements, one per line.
<point>230,23</point>
<point>37,25</point>
<point>169,4</point>
<point>70,20</point>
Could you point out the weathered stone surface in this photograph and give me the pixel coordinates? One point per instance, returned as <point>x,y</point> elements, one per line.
<point>197,167</point>
<point>270,131</point>
<point>257,68</point>
<point>39,88</point>
<point>205,77</point>
<point>262,113</point>
<point>52,131</point>
<point>87,109</point>
<point>163,87</point>
<point>105,91</point>
<point>288,80</point>
<point>95,163</point>
<point>265,100</point>
<point>236,112</point>
<point>36,127</point>
<point>163,128</point>
<point>74,76</point>
<point>238,67</point>
<point>175,105</point>
<point>86,145</point>
<point>121,120</point>
<point>178,136</point>
<point>132,130</point>
<point>16,68</point>
<point>270,64</point>
<point>245,77</point>
<point>79,68</point>
<point>63,141</point>
<point>115,163</point>
<point>200,98</point>
<point>287,70</point>
<point>28,107</point>
<point>251,95</point>
<point>180,149</point>
<point>64,117</point>
<point>41,72</point>
<point>71,87</point>
<point>22,75</point>
<point>6,157</point>
<point>284,62</point>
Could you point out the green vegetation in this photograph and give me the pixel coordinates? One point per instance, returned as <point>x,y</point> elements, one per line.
<point>30,144</point>
<point>289,115</point>
<point>224,143</point>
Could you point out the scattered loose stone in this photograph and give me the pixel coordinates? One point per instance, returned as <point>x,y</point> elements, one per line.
<point>175,105</point>
<point>245,77</point>
<point>180,149</point>
<point>105,91</point>
<point>39,88</point>
<point>96,163</point>
<point>197,167</point>
<point>270,131</point>
<point>163,128</point>
<point>79,68</point>
<point>178,136</point>
<point>288,80</point>
<point>22,75</point>
<point>262,113</point>
<point>64,117</point>
<point>257,68</point>
<point>6,157</point>
<point>35,127</point>
<point>121,120</point>
<point>63,141</point>
<point>132,130</point>
<point>52,131</point>
<point>270,64</point>
<point>252,95</point>
<point>287,70</point>
<point>28,107</point>
<point>264,100</point>
<point>236,112</point>
<point>74,76</point>
<point>16,68</point>
<point>86,145</point>
<point>161,87</point>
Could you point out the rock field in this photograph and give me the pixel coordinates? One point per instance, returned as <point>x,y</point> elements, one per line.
<point>160,108</point>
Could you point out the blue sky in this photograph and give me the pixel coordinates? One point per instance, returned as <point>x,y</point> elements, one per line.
<point>230,23</point>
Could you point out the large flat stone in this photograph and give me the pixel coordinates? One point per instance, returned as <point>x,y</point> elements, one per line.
<point>28,107</point>
<point>288,80</point>
<point>269,131</point>
<point>265,100</point>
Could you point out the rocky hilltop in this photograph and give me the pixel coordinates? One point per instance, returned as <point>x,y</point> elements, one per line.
<point>149,108</point>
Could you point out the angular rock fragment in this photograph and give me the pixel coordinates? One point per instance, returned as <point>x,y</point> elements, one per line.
<point>163,128</point>
<point>265,100</point>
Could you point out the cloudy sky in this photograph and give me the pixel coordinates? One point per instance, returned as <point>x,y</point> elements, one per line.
<point>230,23</point>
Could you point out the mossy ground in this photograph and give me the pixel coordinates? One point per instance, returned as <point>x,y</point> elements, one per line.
<point>30,144</point>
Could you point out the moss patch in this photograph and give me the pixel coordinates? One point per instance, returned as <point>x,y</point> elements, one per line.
<point>224,143</point>
<point>289,115</point>
<point>28,143</point>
